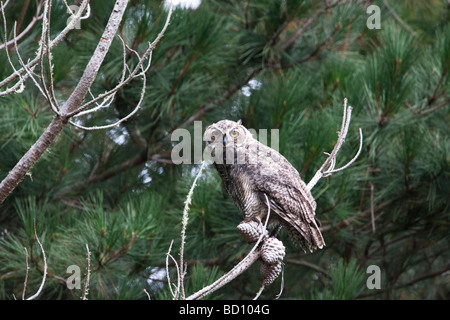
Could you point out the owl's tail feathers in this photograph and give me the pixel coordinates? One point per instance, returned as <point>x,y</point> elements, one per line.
<point>316,236</point>
<point>307,236</point>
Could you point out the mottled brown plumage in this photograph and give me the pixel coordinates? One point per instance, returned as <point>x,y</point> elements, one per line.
<point>250,170</point>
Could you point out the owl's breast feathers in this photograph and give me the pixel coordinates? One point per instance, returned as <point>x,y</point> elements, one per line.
<point>266,172</point>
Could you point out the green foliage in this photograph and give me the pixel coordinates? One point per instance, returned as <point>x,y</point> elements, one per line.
<point>347,282</point>
<point>118,192</point>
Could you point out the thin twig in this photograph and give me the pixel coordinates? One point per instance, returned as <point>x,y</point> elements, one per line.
<point>168,255</point>
<point>44,277</point>
<point>26,275</point>
<point>30,26</point>
<point>329,172</point>
<point>327,168</point>
<point>372,214</point>
<point>259,292</point>
<point>31,64</point>
<point>18,87</point>
<point>107,101</point>
<point>88,273</point>
<point>399,20</point>
<point>139,66</point>
<point>117,123</point>
<point>148,295</point>
<point>282,283</point>
<point>183,228</point>
<point>48,92</point>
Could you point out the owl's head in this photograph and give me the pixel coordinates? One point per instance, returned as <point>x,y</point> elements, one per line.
<point>226,133</point>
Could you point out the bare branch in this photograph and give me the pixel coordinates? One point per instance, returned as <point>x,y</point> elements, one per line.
<point>44,277</point>
<point>18,87</point>
<point>26,275</point>
<point>117,123</point>
<point>134,74</point>
<point>327,169</point>
<point>168,255</point>
<point>183,229</point>
<point>109,99</point>
<point>17,174</point>
<point>259,292</point>
<point>245,263</point>
<point>30,26</point>
<point>48,93</point>
<point>329,172</point>
<point>88,273</point>
<point>29,72</point>
<point>45,48</point>
<point>31,64</point>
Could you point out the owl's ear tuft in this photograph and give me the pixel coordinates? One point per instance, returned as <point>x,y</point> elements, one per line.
<point>239,122</point>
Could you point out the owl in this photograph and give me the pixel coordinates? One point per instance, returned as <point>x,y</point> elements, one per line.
<point>251,171</point>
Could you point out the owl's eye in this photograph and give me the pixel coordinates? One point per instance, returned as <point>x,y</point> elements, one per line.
<point>215,134</point>
<point>234,133</point>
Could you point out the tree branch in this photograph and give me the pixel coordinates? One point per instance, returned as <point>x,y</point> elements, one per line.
<point>245,263</point>
<point>44,277</point>
<point>327,169</point>
<point>73,104</point>
<point>25,31</point>
<point>31,64</point>
<point>183,230</point>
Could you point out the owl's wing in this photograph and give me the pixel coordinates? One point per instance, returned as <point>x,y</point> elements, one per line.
<point>290,199</point>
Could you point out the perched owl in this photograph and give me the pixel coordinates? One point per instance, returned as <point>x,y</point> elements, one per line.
<point>250,171</point>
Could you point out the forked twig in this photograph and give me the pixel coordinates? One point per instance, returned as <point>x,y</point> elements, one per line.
<point>74,103</point>
<point>139,70</point>
<point>168,255</point>
<point>30,26</point>
<point>33,63</point>
<point>327,168</point>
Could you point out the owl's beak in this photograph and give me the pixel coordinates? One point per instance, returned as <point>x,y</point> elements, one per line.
<point>225,140</point>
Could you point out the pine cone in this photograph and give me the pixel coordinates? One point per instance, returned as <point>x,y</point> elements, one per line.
<point>272,251</point>
<point>251,230</point>
<point>270,272</point>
